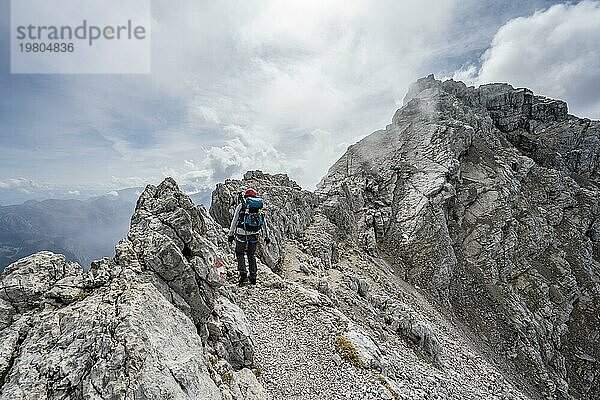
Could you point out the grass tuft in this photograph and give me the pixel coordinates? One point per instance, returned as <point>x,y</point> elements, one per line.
<point>347,351</point>
<point>387,385</point>
<point>227,377</point>
<point>257,370</point>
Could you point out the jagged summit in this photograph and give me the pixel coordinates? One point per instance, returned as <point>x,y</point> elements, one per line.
<point>452,255</point>
<point>538,126</point>
<point>495,97</point>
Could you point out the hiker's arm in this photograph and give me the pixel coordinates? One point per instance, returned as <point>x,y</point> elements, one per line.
<point>234,220</point>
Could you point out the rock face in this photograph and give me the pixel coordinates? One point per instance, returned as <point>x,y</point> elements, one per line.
<point>135,327</point>
<point>489,199</point>
<point>452,255</point>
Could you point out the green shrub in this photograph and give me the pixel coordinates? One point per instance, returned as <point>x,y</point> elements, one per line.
<point>81,295</point>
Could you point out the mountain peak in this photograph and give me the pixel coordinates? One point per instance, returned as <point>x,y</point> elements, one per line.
<point>509,107</point>
<point>471,194</point>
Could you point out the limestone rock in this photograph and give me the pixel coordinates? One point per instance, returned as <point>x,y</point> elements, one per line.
<point>168,238</point>
<point>488,199</point>
<point>107,344</point>
<point>369,352</point>
<point>131,328</point>
<point>26,282</point>
<point>230,334</point>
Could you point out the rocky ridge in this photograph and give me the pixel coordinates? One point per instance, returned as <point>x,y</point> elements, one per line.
<point>147,324</point>
<point>328,291</point>
<point>457,261</point>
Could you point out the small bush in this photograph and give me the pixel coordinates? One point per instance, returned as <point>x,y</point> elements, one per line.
<point>81,295</point>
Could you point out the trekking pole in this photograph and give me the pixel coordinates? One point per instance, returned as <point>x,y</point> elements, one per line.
<point>246,234</point>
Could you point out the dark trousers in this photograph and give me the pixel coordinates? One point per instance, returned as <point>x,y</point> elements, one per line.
<point>248,248</point>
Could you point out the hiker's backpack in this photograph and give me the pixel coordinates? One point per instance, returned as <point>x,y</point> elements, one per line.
<point>251,215</point>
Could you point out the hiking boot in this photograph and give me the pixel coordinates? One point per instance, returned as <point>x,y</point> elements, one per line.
<point>243,280</point>
<point>253,280</point>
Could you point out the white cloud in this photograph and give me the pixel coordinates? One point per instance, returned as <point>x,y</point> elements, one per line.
<point>130,181</point>
<point>19,183</point>
<point>554,52</point>
<point>244,149</point>
<point>238,85</point>
<point>208,114</point>
<point>266,75</point>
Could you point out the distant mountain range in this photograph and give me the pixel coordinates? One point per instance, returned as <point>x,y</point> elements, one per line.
<point>82,230</point>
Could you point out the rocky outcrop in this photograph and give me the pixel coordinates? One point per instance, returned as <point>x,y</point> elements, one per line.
<point>135,327</point>
<point>488,199</point>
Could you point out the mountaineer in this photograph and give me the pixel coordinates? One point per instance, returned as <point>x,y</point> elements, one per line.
<point>246,226</point>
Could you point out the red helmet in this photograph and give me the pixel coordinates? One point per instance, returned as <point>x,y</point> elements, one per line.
<point>250,193</point>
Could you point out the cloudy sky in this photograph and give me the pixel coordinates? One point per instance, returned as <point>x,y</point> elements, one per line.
<point>282,86</point>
